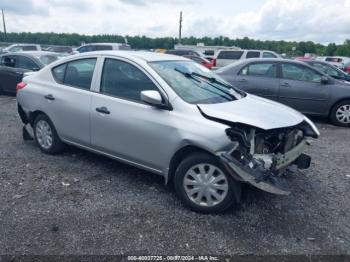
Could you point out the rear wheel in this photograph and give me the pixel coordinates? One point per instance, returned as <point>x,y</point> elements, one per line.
<point>203,185</point>
<point>46,136</point>
<point>340,114</point>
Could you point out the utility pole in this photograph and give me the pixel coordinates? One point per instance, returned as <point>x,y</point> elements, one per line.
<point>3,21</point>
<point>180,27</point>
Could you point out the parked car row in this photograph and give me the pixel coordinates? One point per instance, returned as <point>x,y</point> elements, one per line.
<point>170,116</point>
<point>18,59</point>
<point>68,50</point>
<point>293,83</point>
<point>223,57</point>
<point>339,61</point>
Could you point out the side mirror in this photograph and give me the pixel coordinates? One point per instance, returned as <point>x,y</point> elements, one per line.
<point>324,80</point>
<point>152,97</point>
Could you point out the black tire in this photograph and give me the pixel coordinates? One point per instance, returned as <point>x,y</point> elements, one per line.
<point>333,115</point>
<point>57,145</point>
<point>234,187</point>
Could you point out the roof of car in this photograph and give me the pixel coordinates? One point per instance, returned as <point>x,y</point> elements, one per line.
<point>248,50</point>
<point>260,60</point>
<point>117,44</point>
<point>30,53</point>
<point>143,55</point>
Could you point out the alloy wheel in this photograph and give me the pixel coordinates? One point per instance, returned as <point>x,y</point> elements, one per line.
<point>44,134</point>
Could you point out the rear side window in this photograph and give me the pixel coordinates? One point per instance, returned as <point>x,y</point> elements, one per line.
<point>58,73</point>
<point>29,48</point>
<point>269,55</point>
<point>76,73</point>
<point>260,69</point>
<point>102,47</point>
<point>253,54</point>
<point>230,55</point>
<point>124,80</point>
<point>26,63</point>
<point>9,61</point>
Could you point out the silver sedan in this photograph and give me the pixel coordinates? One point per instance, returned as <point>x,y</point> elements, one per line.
<point>168,115</point>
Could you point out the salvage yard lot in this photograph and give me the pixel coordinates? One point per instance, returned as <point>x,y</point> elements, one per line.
<point>82,203</point>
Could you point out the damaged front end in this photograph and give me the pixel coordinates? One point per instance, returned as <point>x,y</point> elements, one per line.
<point>262,158</point>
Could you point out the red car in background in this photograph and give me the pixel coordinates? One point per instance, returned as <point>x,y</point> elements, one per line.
<point>201,60</point>
<point>304,58</point>
<point>347,67</point>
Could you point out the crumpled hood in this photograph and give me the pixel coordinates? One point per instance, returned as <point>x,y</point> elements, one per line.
<point>254,111</point>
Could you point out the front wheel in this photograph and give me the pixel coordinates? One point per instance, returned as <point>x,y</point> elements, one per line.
<point>203,185</point>
<point>340,114</point>
<point>46,136</point>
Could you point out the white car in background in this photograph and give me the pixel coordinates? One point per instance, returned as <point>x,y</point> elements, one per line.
<point>102,47</point>
<point>338,61</point>
<point>225,57</point>
<point>21,47</point>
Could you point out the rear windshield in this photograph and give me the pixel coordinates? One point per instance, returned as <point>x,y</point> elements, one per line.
<point>47,59</point>
<point>334,59</point>
<point>209,52</point>
<point>230,55</point>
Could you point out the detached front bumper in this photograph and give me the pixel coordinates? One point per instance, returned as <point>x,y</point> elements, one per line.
<point>268,179</point>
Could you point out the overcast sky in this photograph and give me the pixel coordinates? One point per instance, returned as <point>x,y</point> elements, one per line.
<point>321,21</point>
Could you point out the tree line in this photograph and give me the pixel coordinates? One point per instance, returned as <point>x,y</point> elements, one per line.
<point>291,48</point>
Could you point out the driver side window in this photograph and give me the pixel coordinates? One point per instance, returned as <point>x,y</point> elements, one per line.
<point>300,73</point>
<point>123,80</point>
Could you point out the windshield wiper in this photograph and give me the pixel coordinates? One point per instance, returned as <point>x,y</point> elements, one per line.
<point>210,80</point>
<point>232,90</point>
<point>195,78</point>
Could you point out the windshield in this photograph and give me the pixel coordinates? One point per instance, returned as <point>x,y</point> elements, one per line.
<point>196,84</point>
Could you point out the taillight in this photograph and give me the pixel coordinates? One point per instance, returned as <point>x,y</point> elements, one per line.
<point>20,86</point>
<point>347,69</point>
<point>214,62</point>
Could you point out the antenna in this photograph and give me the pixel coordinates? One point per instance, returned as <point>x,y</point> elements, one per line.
<point>3,21</point>
<point>180,27</point>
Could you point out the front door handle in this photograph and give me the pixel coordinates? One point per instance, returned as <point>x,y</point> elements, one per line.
<point>19,73</point>
<point>243,80</point>
<point>49,97</point>
<point>103,110</point>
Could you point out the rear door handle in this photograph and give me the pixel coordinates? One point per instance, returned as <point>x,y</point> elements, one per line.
<point>19,73</point>
<point>242,80</point>
<point>49,97</point>
<point>103,110</point>
<point>285,84</point>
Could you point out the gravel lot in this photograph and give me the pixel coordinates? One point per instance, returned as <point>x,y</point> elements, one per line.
<point>82,203</point>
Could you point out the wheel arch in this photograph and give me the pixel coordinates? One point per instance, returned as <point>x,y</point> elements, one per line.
<point>337,102</point>
<point>33,115</point>
<point>180,155</point>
